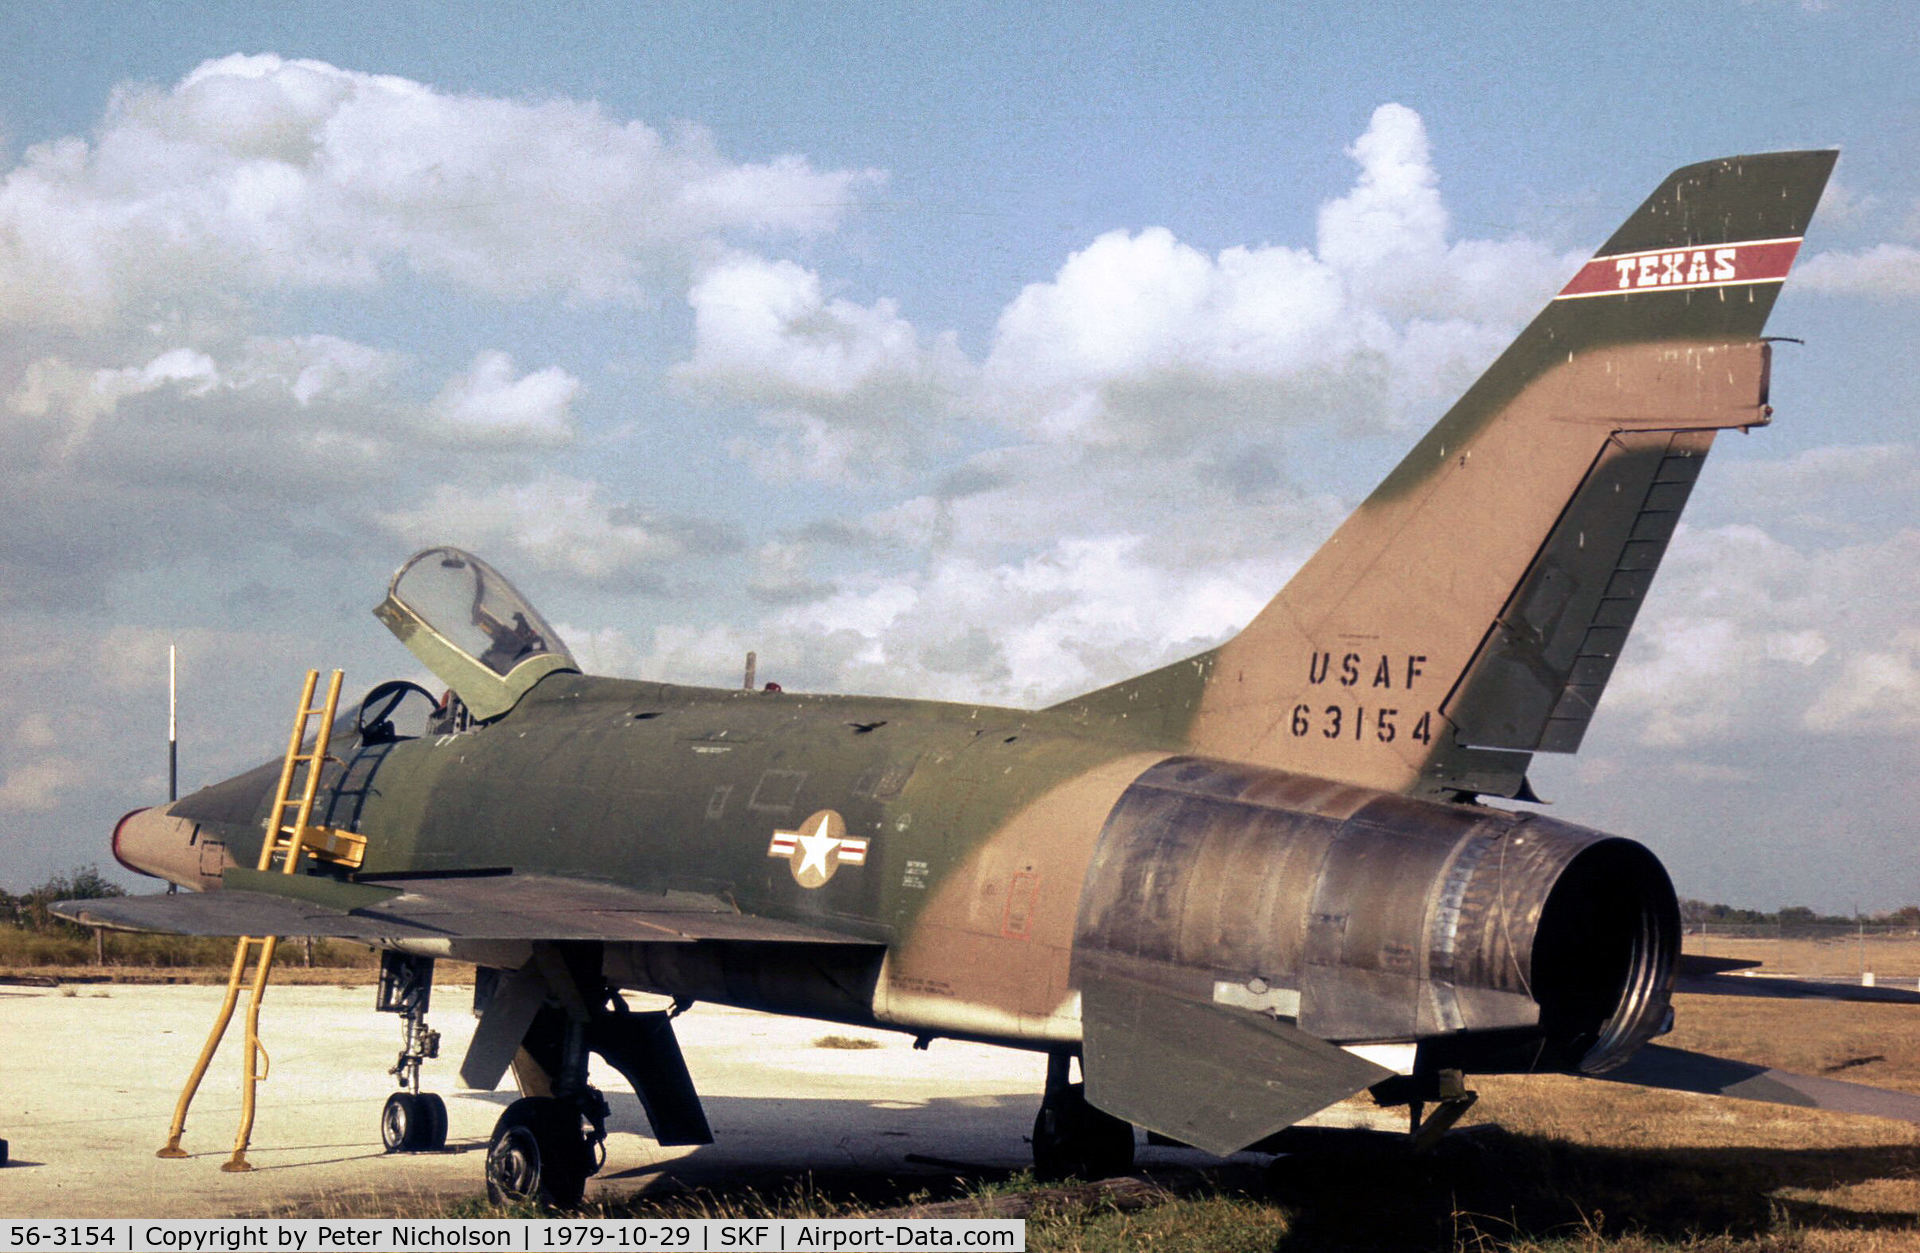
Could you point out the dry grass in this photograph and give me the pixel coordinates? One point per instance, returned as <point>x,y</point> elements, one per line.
<point>128,952</point>
<point>285,974</point>
<point>1840,957</point>
<point>1595,1166</point>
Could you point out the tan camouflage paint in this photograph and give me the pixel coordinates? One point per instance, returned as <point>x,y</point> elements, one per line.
<point>989,954</point>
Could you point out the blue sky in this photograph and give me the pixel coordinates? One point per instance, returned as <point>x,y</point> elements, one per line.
<point>963,351</point>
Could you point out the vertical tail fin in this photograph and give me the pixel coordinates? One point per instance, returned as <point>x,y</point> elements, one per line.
<point>1470,612</point>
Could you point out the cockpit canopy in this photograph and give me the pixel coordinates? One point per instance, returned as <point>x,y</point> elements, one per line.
<point>468,625</point>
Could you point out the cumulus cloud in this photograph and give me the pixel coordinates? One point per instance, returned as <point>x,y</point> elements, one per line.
<point>1391,226</point>
<point>556,524</point>
<point>85,711</point>
<point>140,264</point>
<point>314,369</point>
<point>1139,340</point>
<point>1138,333</point>
<point>765,332</point>
<point>125,459</point>
<point>1057,622</point>
<point>960,619</point>
<point>1152,500</point>
<point>488,404</point>
<point>1842,204</point>
<point>843,386</point>
<point>306,369</point>
<point>1888,271</point>
<point>1746,634</point>
<point>65,397</point>
<point>40,784</point>
<point>255,173</point>
<point>1855,491</point>
<point>1878,692</point>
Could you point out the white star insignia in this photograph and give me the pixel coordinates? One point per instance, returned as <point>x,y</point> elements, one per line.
<point>818,848</point>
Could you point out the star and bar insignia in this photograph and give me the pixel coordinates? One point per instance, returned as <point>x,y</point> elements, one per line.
<point>818,848</point>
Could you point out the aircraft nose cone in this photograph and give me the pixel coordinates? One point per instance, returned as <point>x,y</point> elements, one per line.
<point>154,842</point>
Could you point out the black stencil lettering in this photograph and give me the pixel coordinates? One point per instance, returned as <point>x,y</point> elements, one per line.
<point>1317,667</point>
<point>1383,676</point>
<point>1333,727</point>
<point>1349,669</point>
<point>1413,668</point>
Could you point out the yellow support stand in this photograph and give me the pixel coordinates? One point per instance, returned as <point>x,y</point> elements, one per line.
<point>281,849</point>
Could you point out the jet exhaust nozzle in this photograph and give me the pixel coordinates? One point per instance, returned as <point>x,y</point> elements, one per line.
<point>1499,940</point>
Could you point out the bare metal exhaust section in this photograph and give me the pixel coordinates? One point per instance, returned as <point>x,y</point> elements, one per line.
<point>1604,953</point>
<point>1226,898</point>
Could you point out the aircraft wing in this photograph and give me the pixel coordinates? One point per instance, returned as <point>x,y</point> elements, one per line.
<point>488,906</point>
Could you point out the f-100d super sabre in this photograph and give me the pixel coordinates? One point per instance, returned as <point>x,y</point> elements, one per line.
<point>1233,891</point>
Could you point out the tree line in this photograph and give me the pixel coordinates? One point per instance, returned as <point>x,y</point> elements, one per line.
<point>1693,913</point>
<point>32,909</point>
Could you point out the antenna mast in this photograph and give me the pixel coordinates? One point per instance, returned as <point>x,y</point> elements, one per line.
<point>173,729</point>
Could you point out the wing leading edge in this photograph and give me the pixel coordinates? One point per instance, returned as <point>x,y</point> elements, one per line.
<point>503,906</point>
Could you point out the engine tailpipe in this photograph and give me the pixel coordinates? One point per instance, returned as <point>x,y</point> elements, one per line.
<point>1604,955</point>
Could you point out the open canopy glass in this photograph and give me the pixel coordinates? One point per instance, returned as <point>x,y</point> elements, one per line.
<point>472,628</point>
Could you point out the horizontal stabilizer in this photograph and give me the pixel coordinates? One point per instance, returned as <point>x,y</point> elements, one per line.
<point>1678,1070</point>
<point>1702,964</point>
<point>1776,989</point>
<point>502,906</point>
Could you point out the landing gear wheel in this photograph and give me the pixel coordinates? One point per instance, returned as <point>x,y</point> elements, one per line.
<point>404,1123</point>
<point>1073,1140</point>
<point>538,1154</point>
<point>433,1123</point>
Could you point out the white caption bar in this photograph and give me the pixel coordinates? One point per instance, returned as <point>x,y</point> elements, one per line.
<point>527,1235</point>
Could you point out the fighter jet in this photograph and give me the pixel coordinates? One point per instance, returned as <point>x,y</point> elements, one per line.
<point>1228,893</point>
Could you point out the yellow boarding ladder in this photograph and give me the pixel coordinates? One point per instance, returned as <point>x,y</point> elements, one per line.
<point>289,836</point>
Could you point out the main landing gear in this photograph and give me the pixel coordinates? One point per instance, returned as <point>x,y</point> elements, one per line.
<point>1072,1139</point>
<point>547,1143</point>
<point>542,1151</point>
<point>412,1121</point>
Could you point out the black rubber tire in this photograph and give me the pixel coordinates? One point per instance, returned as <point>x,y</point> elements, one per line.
<point>538,1154</point>
<point>400,1123</point>
<point>1073,1140</point>
<point>433,1123</point>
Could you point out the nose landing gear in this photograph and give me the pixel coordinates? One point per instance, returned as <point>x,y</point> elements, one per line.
<point>412,1121</point>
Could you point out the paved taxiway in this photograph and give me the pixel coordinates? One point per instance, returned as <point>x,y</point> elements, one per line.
<point>89,1075</point>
